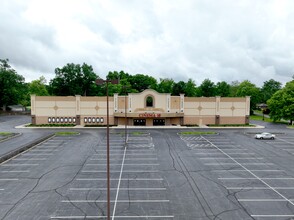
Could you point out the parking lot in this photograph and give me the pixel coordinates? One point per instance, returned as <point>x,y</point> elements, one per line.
<point>160,174</point>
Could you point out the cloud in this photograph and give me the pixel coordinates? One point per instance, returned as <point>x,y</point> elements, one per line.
<point>220,40</point>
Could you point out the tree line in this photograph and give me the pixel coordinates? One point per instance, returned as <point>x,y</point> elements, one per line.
<point>75,79</point>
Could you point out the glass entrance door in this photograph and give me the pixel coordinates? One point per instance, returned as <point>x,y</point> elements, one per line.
<point>158,122</point>
<point>140,122</point>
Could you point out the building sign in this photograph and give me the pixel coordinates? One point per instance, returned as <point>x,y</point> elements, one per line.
<point>149,115</point>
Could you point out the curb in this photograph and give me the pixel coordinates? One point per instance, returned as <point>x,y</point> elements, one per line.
<point>21,149</point>
<point>14,135</point>
<point>144,127</point>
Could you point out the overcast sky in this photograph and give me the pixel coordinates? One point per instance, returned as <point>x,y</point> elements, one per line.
<point>222,40</point>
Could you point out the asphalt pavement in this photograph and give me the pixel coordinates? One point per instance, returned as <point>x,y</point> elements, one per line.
<point>160,174</point>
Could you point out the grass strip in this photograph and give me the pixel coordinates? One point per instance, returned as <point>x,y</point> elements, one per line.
<point>5,133</point>
<point>51,125</point>
<point>232,125</point>
<point>66,133</point>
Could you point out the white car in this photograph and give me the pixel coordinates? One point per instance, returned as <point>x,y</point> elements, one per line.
<point>265,135</point>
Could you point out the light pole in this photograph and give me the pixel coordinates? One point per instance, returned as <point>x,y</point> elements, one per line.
<point>263,108</point>
<point>100,82</point>
<point>126,122</point>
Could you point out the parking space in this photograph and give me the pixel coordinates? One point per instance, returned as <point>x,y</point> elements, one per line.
<point>137,188</point>
<point>256,181</point>
<point>21,175</point>
<point>283,142</point>
<point>160,175</point>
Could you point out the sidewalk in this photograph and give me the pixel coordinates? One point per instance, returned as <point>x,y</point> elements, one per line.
<point>144,127</point>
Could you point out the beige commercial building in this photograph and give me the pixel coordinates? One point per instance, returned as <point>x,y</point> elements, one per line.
<point>148,108</point>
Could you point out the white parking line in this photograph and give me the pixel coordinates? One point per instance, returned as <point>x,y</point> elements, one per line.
<point>272,216</point>
<point>118,171</point>
<point>265,200</point>
<point>14,179</point>
<point>49,146</point>
<point>133,164</point>
<point>118,201</point>
<point>253,178</point>
<point>285,145</point>
<point>258,188</point>
<point>247,171</point>
<point>19,165</point>
<point>126,159</point>
<point>119,181</point>
<point>126,155</point>
<point>223,154</point>
<point>132,150</point>
<point>36,154</point>
<point>122,179</point>
<point>259,164</point>
<point>265,183</point>
<point>15,171</point>
<point>213,150</point>
<point>123,216</point>
<point>227,158</point>
<point>284,141</point>
<point>21,159</point>
<point>123,189</point>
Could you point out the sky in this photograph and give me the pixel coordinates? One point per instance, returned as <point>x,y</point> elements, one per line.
<point>220,40</point>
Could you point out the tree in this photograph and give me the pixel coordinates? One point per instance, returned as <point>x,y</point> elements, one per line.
<point>38,87</point>
<point>74,79</point>
<point>179,88</point>
<point>12,86</point>
<point>207,88</point>
<point>191,90</point>
<point>117,75</point>
<point>165,85</point>
<point>141,82</point>
<point>223,89</point>
<point>269,88</point>
<point>234,88</point>
<point>281,104</point>
<point>246,88</point>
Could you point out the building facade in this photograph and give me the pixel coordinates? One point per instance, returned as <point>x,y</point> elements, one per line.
<point>148,108</point>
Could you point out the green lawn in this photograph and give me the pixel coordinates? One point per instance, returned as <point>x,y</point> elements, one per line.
<point>260,118</point>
